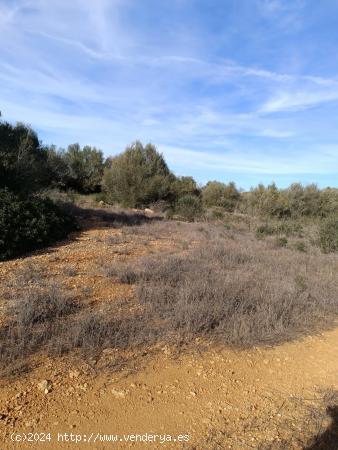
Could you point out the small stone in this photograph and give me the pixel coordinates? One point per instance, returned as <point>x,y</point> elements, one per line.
<point>74,374</point>
<point>118,394</point>
<point>166,350</point>
<point>45,386</point>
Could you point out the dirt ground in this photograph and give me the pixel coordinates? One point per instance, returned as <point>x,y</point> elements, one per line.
<point>205,398</point>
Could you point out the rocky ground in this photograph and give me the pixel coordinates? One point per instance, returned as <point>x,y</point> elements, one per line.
<point>206,397</point>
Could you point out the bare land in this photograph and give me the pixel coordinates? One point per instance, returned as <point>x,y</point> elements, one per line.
<point>140,325</point>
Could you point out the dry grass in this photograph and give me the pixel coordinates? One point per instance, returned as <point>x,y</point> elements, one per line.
<point>211,281</point>
<point>240,292</point>
<point>320,421</point>
<point>46,319</point>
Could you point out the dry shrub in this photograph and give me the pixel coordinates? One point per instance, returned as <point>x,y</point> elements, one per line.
<point>39,305</point>
<point>47,320</point>
<point>239,293</point>
<point>116,239</point>
<point>123,272</point>
<point>33,319</point>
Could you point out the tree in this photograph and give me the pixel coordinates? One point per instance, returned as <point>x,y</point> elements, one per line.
<point>23,167</point>
<point>222,195</point>
<point>85,168</point>
<point>185,186</point>
<point>57,168</point>
<point>138,176</point>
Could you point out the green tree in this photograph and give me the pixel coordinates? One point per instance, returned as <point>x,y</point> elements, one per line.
<point>189,207</point>
<point>23,167</point>
<point>138,177</point>
<point>57,168</point>
<point>85,168</point>
<point>222,195</point>
<point>185,186</point>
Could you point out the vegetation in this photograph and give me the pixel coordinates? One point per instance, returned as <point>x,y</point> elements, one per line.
<point>188,207</point>
<point>27,224</point>
<point>220,287</point>
<point>137,177</point>
<point>328,234</point>
<point>23,160</point>
<point>294,202</point>
<point>221,195</point>
<point>84,168</point>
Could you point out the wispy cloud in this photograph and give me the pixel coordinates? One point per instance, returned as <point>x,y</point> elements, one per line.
<point>112,71</point>
<point>300,99</point>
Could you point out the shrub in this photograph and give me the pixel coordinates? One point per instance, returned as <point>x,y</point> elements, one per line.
<point>39,305</point>
<point>43,319</point>
<point>221,195</point>
<point>84,168</point>
<point>189,207</point>
<point>328,235</point>
<point>23,160</point>
<point>300,246</point>
<point>268,201</point>
<point>137,177</point>
<point>295,201</point>
<point>30,224</point>
<point>264,230</point>
<point>288,228</point>
<point>185,186</point>
<point>238,294</point>
<point>281,242</point>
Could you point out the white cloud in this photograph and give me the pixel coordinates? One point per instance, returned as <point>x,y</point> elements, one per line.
<point>80,71</point>
<point>249,160</point>
<point>299,100</point>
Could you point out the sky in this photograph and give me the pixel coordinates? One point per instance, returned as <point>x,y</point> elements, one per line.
<point>242,90</point>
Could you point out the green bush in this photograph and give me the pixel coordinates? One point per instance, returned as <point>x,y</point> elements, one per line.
<point>183,186</point>
<point>300,246</point>
<point>189,207</point>
<point>28,224</point>
<point>328,235</point>
<point>287,228</point>
<point>23,160</point>
<point>137,177</point>
<point>294,202</point>
<point>265,230</point>
<point>281,242</point>
<point>216,194</point>
<point>84,168</point>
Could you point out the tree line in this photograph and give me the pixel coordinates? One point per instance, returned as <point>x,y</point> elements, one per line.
<point>138,177</point>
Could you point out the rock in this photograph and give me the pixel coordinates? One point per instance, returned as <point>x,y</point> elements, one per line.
<point>74,374</point>
<point>45,386</point>
<point>118,394</point>
<point>166,350</point>
<point>149,211</point>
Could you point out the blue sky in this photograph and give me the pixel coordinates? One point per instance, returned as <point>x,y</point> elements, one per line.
<point>226,89</point>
